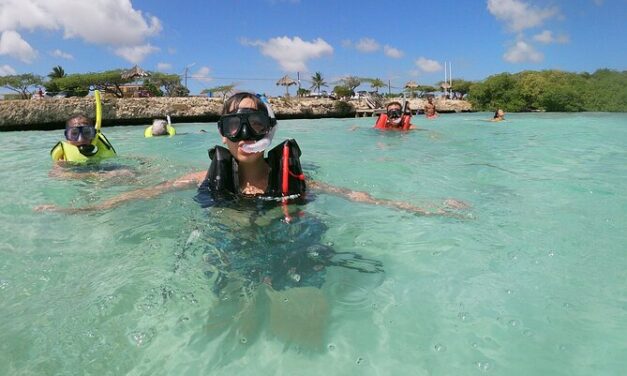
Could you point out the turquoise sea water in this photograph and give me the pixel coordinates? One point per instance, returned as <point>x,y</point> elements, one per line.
<point>532,282</point>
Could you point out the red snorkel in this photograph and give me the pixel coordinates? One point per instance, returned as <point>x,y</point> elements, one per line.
<point>285,180</point>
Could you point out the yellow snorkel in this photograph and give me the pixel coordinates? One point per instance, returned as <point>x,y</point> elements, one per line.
<point>98,110</point>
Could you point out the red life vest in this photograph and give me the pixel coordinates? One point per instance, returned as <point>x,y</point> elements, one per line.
<point>382,123</point>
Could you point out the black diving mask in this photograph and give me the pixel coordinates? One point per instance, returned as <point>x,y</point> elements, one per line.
<point>246,124</point>
<point>87,131</point>
<point>394,114</point>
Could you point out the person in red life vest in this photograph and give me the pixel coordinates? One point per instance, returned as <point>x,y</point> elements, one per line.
<point>394,118</point>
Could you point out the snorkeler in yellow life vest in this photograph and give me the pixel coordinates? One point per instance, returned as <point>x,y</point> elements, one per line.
<point>84,141</point>
<point>159,127</point>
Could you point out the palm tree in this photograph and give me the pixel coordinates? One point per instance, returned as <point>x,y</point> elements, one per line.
<point>376,84</point>
<point>317,82</point>
<point>57,72</point>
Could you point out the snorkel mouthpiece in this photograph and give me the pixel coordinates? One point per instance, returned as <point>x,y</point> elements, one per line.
<point>88,150</point>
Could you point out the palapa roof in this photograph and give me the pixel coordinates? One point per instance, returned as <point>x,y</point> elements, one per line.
<point>286,81</point>
<point>445,85</point>
<point>411,85</point>
<point>134,72</point>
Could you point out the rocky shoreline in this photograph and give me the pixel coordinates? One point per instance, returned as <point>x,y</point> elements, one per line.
<point>45,114</point>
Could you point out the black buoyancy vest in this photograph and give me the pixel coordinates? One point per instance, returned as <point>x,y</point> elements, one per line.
<point>222,176</point>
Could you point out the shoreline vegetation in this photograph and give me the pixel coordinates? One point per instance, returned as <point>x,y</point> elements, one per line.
<point>604,90</point>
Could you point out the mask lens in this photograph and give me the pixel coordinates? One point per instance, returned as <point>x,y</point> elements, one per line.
<point>72,134</point>
<point>87,131</point>
<point>394,114</point>
<point>259,124</point>
<point>230,126</point>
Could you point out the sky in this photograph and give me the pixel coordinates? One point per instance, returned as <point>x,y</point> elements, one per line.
<point>253,43</point>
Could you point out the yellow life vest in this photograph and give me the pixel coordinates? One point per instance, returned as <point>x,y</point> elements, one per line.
<point>64,151</point>
<point>170,129</point>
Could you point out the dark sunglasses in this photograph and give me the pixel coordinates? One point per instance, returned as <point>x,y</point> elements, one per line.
<point>87,131</point>
<point>245,124</point>
<point>394,114</point>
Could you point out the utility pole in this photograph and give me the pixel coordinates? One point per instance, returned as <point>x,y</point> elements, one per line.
<point>389,87</point>
<point>185,75</point>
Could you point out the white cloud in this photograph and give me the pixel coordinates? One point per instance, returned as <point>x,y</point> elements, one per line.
<point>519,15</point>
<point>547,37</point>
<point>61,54</point>
<point>135,54</point>
<point>162,67</point>
<point>7,70</point>
<point>292,54</point>
<point>104,22</point>
<point>202,74</point>
<point>12,44</point>
<point>392,52</point>
<point>598,2</point>
<point>427,65</point>
<point>522,52</point>
<point>367,45</point>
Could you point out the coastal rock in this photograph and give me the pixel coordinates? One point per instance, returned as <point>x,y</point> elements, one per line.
<point>52,113</point>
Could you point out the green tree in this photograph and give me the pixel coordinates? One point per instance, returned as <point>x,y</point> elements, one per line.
<point>153,89</point>
<point>351,82</point>
<point>317,82</point>
<point>21,83</point>
<point>342,91</point>
<point>376,84</point>
<point>57,72</point>
<point>169,84</point>
<point>302,92</point>
<point>80,84</point>
<point>224,90</point>
<point>461,86</point>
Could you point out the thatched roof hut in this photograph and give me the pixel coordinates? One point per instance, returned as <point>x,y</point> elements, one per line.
<point>134,72</point>
<point>286,81</point>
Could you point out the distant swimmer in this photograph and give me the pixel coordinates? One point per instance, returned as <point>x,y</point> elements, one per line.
<point>83,139</point>
<point>499,115</point>
<point>160,127</point>
<point>395,118</point>
<point>430,112</point>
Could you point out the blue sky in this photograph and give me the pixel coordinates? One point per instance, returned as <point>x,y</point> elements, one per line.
<point>253,43</point>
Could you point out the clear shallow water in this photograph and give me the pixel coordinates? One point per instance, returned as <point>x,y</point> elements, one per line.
<point>533,283</point>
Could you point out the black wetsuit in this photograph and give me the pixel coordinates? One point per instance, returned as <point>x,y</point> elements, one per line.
<point>280,254</point>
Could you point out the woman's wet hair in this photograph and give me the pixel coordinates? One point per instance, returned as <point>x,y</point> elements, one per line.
<point>394,103</point>
<point>232,104</point>
<point>84,119</point>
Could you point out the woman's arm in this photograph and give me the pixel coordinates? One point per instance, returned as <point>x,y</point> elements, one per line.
<point>364,197</point>
<point>182,182</point>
